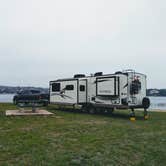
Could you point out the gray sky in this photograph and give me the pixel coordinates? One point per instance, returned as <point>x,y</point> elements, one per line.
<point>42,40</point>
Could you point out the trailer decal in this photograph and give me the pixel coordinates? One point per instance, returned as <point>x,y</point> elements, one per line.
<point>125,85</point>
<point>62,95</point>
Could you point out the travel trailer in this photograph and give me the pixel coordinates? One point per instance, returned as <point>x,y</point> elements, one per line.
<point>126,89</point>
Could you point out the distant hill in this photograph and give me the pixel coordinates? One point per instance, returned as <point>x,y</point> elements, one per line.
<point>13,90</point>
<point>156,92</point>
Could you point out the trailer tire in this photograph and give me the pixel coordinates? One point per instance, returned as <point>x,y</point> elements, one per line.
<point>92,110</point>
<point>110,111</point>
<point>145,102</point>
<point>84,109</point>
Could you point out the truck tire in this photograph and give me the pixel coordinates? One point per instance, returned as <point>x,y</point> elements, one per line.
<point>45,104</point>
<point>15,101</point>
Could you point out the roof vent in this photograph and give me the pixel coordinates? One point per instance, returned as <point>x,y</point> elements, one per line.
<point>98,74</point>
<point>79,75</point>
<point>118,72</point>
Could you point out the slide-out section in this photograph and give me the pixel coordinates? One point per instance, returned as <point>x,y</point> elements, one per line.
<point>107,86</point>
<point>64,92</point>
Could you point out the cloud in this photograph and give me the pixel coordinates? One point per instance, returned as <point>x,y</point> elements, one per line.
<point>43,40</point>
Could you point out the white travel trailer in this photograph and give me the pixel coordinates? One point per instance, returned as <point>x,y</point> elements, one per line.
<point>126,89</point>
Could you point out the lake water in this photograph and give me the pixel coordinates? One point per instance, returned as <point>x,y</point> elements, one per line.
<point>157,103</point>
<point>6,98</point>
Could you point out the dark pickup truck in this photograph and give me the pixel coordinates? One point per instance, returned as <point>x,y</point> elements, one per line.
<point>30,97</point>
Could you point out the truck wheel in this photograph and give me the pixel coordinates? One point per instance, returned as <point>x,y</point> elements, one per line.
<point>45,104</point>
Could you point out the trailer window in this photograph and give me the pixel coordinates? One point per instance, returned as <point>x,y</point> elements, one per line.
<point>56,87</point>
<point>82,88</point>
<point>35,91</point>
<point>69,87</point>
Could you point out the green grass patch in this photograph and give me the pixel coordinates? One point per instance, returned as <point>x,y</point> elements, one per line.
<point>72,138</point>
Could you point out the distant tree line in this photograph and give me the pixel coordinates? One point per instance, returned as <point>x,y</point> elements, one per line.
<point>14,90</point>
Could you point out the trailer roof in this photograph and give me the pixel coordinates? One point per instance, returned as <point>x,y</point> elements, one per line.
<point>65,79</point>
<point>104,75</point>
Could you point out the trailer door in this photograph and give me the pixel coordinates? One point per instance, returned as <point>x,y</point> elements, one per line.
<point>82,89</point>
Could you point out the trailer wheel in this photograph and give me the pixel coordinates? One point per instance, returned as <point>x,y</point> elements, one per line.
<point>146,102</point>
<point>92,110</point>
<point>84,109</point>
<point>110,111</point>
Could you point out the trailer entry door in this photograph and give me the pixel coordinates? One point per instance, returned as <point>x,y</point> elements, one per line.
<point>82,89</point>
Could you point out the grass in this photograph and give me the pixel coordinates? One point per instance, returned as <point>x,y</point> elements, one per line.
<point>72,138</point>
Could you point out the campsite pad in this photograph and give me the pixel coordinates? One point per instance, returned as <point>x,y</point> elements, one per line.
<point>23,112</point>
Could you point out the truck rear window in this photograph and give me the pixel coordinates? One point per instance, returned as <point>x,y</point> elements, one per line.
<point>35,91</point>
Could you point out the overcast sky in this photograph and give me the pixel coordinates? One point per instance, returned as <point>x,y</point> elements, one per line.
<point>42,40</point>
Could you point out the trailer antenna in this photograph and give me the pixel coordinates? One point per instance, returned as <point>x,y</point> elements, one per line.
<point>129,70</point>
